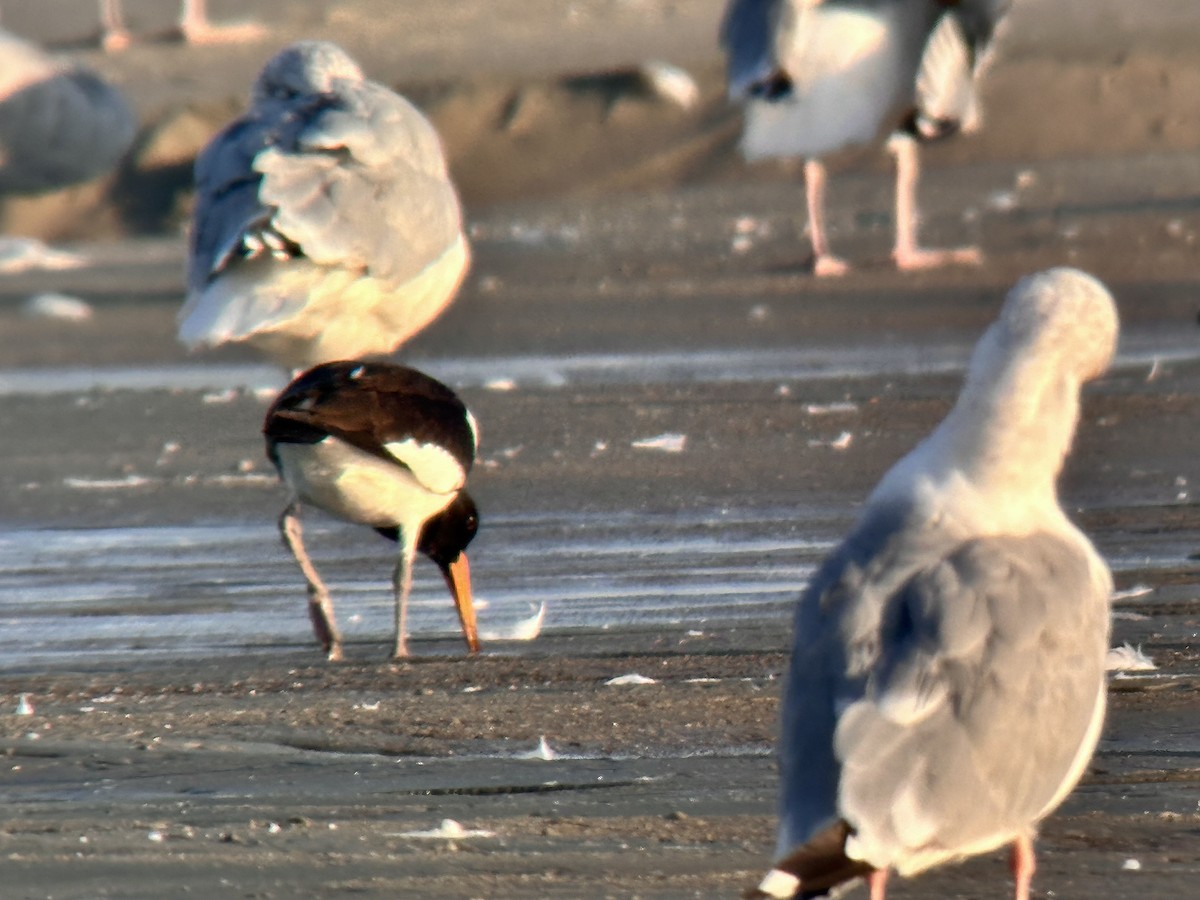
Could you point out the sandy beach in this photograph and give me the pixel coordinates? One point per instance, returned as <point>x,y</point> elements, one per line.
<point>677,423</point>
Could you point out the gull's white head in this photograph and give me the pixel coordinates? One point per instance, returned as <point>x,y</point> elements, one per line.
<point>1065,314</point>
<point>1012,425</point>
<point>304,68</point>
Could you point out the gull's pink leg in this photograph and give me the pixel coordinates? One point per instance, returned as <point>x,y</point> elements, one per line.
<point>877,883</point>
<point>824,263</point>
<point>1023,864</point>
<point>908,254</point>
<point>195,27</point>
<point>114,36</point>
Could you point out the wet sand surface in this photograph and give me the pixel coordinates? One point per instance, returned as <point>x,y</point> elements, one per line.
<point>185,736</point>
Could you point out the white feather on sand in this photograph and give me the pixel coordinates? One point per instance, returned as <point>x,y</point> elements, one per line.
<point>59,307</point>
<point>668,442</point>
<point>632,678</point>
<point>447,830</point>
<point>526,629</point>
<point>1128,658</point>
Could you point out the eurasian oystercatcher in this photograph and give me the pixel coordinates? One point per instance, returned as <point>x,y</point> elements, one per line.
<point>385,446</point>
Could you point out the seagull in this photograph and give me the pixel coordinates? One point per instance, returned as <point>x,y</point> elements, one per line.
<point>385,446</point>
<point>326,225</point>
<point>946,687</point>
<point>194,27</point>
<point>60,124</point>
<point>818,76</point>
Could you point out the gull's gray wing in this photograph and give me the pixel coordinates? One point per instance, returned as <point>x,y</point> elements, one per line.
<point>856,577</point>
<point>941,696</point>
<point>354,178</point>
<point>953,58</point>
<point>980,18</point>
<point>748,37</point>
<point>367,187</point>
<point>228,205</point>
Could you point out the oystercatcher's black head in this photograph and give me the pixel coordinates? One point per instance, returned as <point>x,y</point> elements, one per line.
<point>446,535</point>
<point>444,539</point>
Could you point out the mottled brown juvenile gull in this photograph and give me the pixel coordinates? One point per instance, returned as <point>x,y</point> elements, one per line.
<point>946,687</point>
<point>60,124</point>
<point>818,76</point>
<point>326,225</point>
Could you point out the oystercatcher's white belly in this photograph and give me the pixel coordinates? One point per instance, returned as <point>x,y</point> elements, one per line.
<point>356,486</point>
